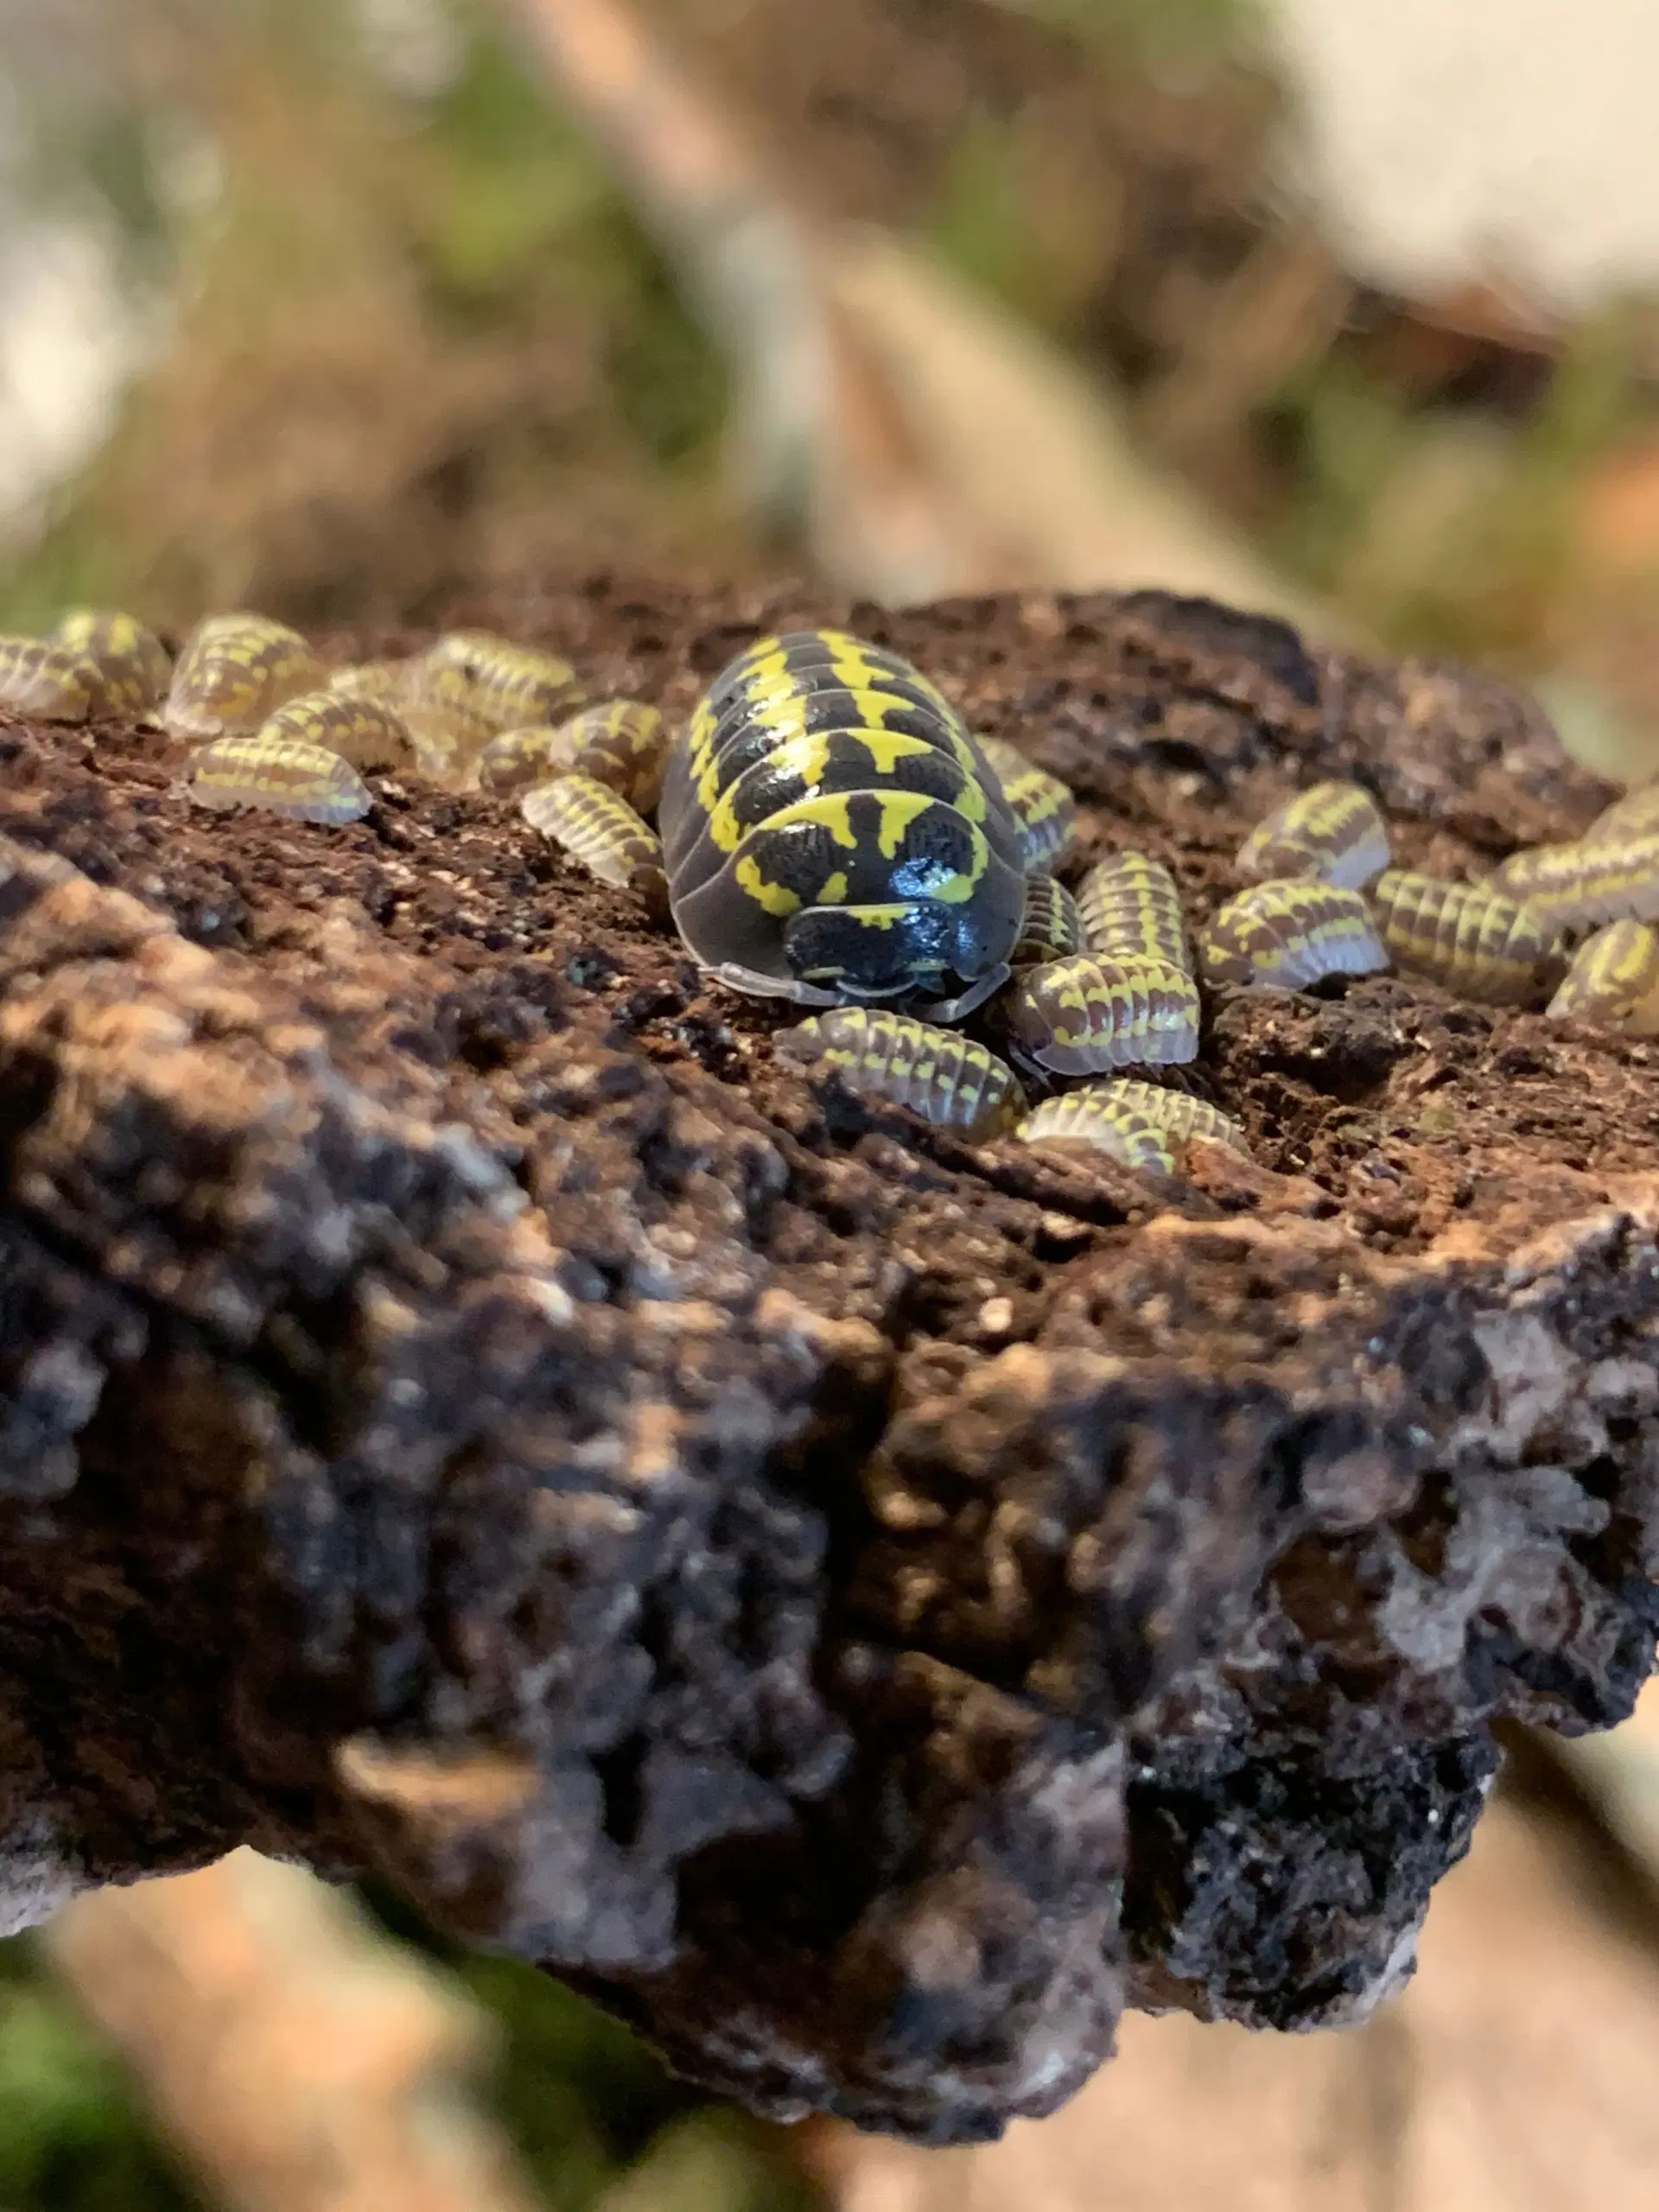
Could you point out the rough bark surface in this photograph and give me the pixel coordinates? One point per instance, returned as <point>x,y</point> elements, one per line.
<point>866,1607</point>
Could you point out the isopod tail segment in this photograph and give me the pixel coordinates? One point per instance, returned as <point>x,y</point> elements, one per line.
<point>833,834</point>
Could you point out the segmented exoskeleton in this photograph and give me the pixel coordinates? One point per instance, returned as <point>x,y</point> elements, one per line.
<point>832,833</point>
<point>938,1073</point>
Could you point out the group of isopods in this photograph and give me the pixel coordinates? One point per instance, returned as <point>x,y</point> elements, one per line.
<point>836,836</point>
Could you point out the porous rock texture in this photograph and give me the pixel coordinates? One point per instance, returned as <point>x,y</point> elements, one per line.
<point>866,1607</point>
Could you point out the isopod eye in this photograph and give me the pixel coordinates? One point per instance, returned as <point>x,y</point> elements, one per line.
<point>869,952</point>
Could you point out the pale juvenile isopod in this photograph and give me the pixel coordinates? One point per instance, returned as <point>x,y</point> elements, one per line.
<point>586,819</point>
<point>1041,804</point>
<point>1613,982</point>
<point>1475,940</point>
<point>1286,936</point>
<point>1579,886</point>
<point>1085,1015</point>
<point>519,758</point>
<point>501,683</point>
<point>306,783</point>
<point>445,739</point>
<point>366,732</point>
<point>385,680</point>
<point>1138,1123</point>
<point>134,664</point>
<point>1331,832</point>
<point>1050,928</point>
<point>623,744</point>
<point>1127,904</point>
<point>50,683</point>
<point>233,673</point>
<point>938,1073</point>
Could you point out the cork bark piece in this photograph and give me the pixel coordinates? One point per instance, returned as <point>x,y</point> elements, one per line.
<point>865,1604</point>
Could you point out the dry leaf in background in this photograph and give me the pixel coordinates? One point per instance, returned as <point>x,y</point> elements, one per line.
<point>925,441</point>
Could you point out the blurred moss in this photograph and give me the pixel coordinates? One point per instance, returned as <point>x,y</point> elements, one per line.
<point>74,2137</point>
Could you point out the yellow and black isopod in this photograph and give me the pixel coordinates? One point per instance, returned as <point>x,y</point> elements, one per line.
<point>1579,886</point>
<point>937,1073</point>
<point>1085,1015</point>
<point>1331,832</point>
<point>519,758</point>
<point>832,833</point>
<point>505,685</point>
<point>1128,905</point>
<point>285,776</point>
<point>1286,936</point>
<point>623,744</point>
<point>134,664</point>
<point>1137,1123</point>
<point>588,820</point>
<point>1613,983</point>
<point>445,735</point>
<point>233,673</point>
<point>1475,940</point>
<point>367,732</point>
<point>50,683</point>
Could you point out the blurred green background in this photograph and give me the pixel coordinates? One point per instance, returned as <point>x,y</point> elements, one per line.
<point>333,307</point>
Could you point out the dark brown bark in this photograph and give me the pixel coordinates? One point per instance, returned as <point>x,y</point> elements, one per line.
<point>866,1607</point>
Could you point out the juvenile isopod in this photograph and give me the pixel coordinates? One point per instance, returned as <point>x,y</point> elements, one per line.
<point>1331,832</point>
<point>366,732</point>
<point>1050,928</point>
<point>283,776</point>
<point>1613,982</point>
<point>939,1074</point>
<point>1475,940</point>
<point>133,662</point>
<point>1128,903</point>
<point>1286,936</point>
<point>586,819</point>
<point>1085,1015</point>
<point>1579,886</point>
<point>233,673</point>
<point>1138,1123</point>
<point>1042,805</point>
<point>50,683</point>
